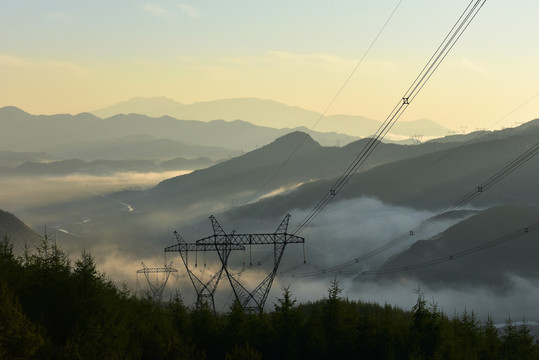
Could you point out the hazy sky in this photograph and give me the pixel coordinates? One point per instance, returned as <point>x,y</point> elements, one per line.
<point>72,56</point>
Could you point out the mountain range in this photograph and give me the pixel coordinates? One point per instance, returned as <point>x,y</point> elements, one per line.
<point>127,137</point>
<point>263,112</point>
<point>430,178</point>
<point>289,174</point>
<point>12,158</point>
<point>35,145</point>
<point>233,182</point>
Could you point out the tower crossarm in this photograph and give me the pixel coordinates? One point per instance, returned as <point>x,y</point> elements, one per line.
<point>187,247</point>
<point>156,270</point>
<point>157,287</point>
<point>250,239</point>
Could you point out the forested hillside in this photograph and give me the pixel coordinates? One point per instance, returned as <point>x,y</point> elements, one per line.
<point>53,308</point>
<point>20,234</point>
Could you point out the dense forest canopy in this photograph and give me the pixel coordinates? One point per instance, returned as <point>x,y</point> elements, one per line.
<point>55,308</point>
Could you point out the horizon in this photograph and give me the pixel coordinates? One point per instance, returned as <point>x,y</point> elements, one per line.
<point>56,60</point>
<point>197,102</point>
<point>463,129</point>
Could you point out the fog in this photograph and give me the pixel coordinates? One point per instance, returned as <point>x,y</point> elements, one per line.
<point>280,191</point>
<point>19,193</point>
<point>343,231</point>
<point>519,303</point>
<point>347,229</point>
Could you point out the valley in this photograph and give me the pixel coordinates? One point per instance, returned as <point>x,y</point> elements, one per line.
<point>124,209</point>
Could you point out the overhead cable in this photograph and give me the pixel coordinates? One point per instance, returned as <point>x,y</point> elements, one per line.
<point>330,104</point>
<point>463,200</point>
<point>458,254</point>
<point>428,70</point>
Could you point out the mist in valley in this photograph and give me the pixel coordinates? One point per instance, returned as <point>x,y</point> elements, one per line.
<point>345,230</point>
<point>19,193</point>
<point>125,219</point>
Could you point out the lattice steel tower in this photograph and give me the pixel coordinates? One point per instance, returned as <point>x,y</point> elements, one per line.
<point>157,285</point>
<point>223,244</point>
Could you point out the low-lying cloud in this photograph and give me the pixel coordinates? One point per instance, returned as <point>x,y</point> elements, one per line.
<point>343,231</point>
<point>18,193</point>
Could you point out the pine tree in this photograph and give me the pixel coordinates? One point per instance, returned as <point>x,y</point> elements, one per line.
<point>286,325</point>
<point>426,328</point>
<point>19,337</point>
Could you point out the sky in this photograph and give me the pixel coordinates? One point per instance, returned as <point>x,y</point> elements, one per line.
<point>74,56</point>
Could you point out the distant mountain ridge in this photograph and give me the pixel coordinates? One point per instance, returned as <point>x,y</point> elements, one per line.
<point>432,179</point>
<point>263,112</point>
<point>260,186</point>
<point>389,174</point>
<point>530,127</point>
<point>240,178</point>
<point>14,158</point>
<point>65,135</point>
<point>245,178</point>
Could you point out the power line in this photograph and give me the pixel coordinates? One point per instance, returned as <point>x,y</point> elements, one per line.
<point>339,267</point>
<point>447,44</point>
<point>330,104</point>
<point>428,70</point>
<point>458,254</point>
<point>463,200</point>
<point>450,152</point>
<point>436,161</point>
<point>439,55</point>
<point>323,114</point>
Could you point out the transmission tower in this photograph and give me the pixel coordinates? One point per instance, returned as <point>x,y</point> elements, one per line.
<point>205,290</point>
<point>223,244</point>
<point>157,285</point>
<point>416,139</point>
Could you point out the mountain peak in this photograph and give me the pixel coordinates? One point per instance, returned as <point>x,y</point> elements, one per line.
<point>295,138</point>
<point>152,106</point>
<point>12,110</point>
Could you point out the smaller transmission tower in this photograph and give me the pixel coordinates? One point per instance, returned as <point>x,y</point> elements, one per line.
<point>157,285</point>
<point>416,139</point>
